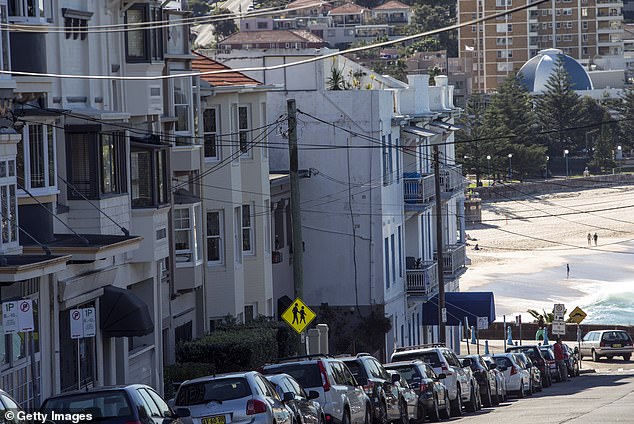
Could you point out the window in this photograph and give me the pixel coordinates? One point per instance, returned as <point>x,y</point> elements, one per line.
<point>584,37</point>
<point>567,12</point>
<point>39,171</point>
<point>148,176</point>
<point>210,133</point>
<point>267,226</point>
<point>386,253</point>
<point>504,67</point>
<point>502,3</point>
<point>215,247</point>
<point>30,9</point>
<point>244,130</point>
<point>386,166</point>
<point>247,229</point>
<point>503,54</point>
<point>400,253</point>
<point>237,234</point>
<point>504,27</point>
<point>143,45</point>
<point>393,254</point>
<point>182,96</point>
<point>584,11</point>
<point>390,159</point>
<point>584,24</point>
<point>187,235</point>
<point>96,165</point>
<point>567,37</point>
<point>8,204</point>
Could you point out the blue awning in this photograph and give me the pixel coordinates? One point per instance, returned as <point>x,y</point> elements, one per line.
<point>460,305</point>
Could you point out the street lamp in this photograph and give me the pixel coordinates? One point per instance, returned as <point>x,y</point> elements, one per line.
<point>619,153</point>
<point>566,156</point>
<point>489,160</point>
<point>510,167</point>
<point>547,159</point>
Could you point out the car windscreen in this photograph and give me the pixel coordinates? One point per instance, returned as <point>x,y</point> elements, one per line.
<point>408,372</point>
<point>307,375</point>
<point>548,354</point>
<point>220,389</point>
<point>427,357</point>
<point>101,405</point>
<point>613,336</point>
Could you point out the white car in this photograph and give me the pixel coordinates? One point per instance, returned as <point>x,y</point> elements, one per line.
<point>443,360</point>
<point>517,378</point>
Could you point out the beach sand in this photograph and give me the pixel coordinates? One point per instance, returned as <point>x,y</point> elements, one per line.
<point>525,244</point>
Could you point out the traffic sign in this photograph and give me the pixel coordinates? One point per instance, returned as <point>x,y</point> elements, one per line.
<point>10,317</point>
<point>483,323</point>
<point>17,316</point>
<point>25,315</point>
<point>76,324</point>
<point>89,322</point>
<point>298,315</point>
<point>577,315</point>
<point>559,310</point>
<point>559,328</point>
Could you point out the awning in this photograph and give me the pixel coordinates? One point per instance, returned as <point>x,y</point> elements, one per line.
<point>123,314</point>
<point>460,305</point>
<point>419,131</point>
<point>444,126</point>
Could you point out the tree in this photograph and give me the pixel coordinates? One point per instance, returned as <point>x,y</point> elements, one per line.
<point>198,7</point>
<point>225,27</point>
<point>433,16</point>
<point>604,148</point>
<point>625,109</point>
<point>559,109</point>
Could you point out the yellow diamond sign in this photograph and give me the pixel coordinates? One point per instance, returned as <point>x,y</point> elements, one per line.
<point>298,315</point>
<point>577,315</point>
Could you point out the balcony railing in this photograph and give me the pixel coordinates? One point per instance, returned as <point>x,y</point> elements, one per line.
<point>451,178</point>
<point>418,189</point>
<point>423,281</point>
<point>454,257</point>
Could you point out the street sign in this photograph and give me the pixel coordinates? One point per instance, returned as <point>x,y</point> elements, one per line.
<point>444,315</point>
<point>17,316</point>
<point>577,315</point>
<point>559,328</point>
<point>559,310</point>
<point>25,315</point>
<point>483,323</point>
<point>89,322</point>
<point>10,317</point>
<point>76,324</point>
<point>298,315</point>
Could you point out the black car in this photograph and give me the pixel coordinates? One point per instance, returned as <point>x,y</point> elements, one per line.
<point>305,409</point>
<point>572,361</point>
<point>111,405</point>
<point>380,386</point>
<point>549,357</point>
<point>535,354</point>
<point>433,398</point>
<point>484,376</point>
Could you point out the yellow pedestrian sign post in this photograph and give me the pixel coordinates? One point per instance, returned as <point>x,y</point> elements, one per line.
<point>298,315</point>
<point>577,315</point>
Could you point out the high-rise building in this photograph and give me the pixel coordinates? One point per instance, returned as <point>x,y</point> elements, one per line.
<point>583,29</point>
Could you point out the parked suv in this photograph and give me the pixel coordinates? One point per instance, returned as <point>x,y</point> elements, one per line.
<point>340,396</point>
<point>483,375</point>
<point>444,361</point>
<point>608,343</point>
<point>536,356</point>
<point>377,383</point>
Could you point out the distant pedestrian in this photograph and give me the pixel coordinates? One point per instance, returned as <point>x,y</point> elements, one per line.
<point>560,359</point>
<point>567,270</point>
<point>589,239</point>
<point>596,237</point>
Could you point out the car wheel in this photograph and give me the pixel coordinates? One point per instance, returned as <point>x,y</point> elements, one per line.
<point>488,399</point>
<point>478,400</point>
<point>595,357</point>
<point>380,416</point>
<point>520,393</point>
<point>368,414</point>
<point>434,414</point>
<point>627,357</point>
<point>472,405</point>
<point>456,404</point>
<point>446,412</point>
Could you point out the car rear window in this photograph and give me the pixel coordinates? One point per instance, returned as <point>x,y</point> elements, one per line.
<point>427,357</point>
<point>220,389</point>
<point>408,372</point>
<point>356,369</point>
<point>307,375</point>
<point>546,353</point>
<point>528,351</point>
<point>103,404</point>
<point>615,336</point>
<point>502,361</point>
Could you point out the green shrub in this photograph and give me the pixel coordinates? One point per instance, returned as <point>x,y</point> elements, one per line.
<point>178,373</point>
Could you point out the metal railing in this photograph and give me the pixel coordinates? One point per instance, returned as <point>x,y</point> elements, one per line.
<point>454,258</point>
<point>423,281</point>
<point>418,190</point>
<point>451,178</point>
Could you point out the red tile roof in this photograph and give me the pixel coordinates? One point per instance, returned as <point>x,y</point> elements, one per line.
<point>391,5</point>
<point>347,9</point>
<point>271,36</point>
<point>304,3</point>
<point>235,78</point>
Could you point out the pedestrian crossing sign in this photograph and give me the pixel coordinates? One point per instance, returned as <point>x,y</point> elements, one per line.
<point>298,315</point>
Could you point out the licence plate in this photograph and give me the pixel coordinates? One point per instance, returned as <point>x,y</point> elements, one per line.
<point>216,419</point>
<point>616,345</point>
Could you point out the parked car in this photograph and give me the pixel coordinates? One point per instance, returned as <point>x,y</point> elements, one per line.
<point>536,377</point>
<point>518,379</point>
<point>408,395</point>
<point>536,356</point>
<point>572,362</point>
<point>114,405</point>
<point>459,380</point>
<point>549,357</point>
<point>500,380</point>
<point>608,343</point>
<point>340,396</point>
<point>433,397</point>
<point>7,403</point>
<point>484,377</point>
<point>305,409</point>
<point>387,402</point>
<point>244,396</point>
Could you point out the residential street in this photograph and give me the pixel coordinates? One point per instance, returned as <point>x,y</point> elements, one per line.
<point>602,397</point>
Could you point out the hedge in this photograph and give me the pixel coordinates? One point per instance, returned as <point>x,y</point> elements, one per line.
<point>178,373</point>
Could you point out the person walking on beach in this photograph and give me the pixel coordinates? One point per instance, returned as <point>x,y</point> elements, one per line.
<point>567,270</point>
<point>589,239</point>
<point>596,237</point>
<point>560,359</point>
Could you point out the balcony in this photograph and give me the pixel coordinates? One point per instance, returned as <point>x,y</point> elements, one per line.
<point>418,190</point>
<point>422,281</point>
<point>454,259</point>
<point>451,179</point>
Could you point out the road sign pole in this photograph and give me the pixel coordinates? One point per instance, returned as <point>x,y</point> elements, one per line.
<point>78,367</point>
<point>579,345</point>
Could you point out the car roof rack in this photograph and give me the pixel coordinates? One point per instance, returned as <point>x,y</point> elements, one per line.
<point>422,346</point>
<point>362,354</point>
<point>294,358</point>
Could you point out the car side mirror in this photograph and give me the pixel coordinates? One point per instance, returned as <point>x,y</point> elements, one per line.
<point>313,394</point>
<point>183,412</point>
<point>576,350</point>
<point>396,377</point>
<point>441,376</point>
<point>466,362</point>
<point>288,396</point>
<point>492,366</point>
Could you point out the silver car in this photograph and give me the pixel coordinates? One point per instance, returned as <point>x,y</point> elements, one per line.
<point>608,343</point>
<point>232,398</point>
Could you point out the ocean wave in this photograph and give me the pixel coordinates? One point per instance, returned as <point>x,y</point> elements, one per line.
<point>611,308</point>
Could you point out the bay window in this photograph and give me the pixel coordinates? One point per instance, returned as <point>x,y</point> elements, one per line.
<point>30,10</point>
<point>187,234</point>
<point>210,133</point>
<point>96,164</point>
<point>148,176</point>
<point>143,45</point>
<point>8,204</point>
<point>215,245</point>
<point>182,100</point>
<point>36,160</point>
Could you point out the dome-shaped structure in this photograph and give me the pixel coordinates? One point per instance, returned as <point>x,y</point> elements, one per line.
<point>535,73</point>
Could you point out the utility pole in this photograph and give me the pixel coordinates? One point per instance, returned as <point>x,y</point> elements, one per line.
<point>298,248</point>
<point>442,314</point>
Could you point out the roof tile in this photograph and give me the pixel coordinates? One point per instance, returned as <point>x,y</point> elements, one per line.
<point>235,78</point>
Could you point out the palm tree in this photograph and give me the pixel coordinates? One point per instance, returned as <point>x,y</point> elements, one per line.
<point>542,319</point>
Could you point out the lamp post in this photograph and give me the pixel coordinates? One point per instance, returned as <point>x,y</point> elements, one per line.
<point>510,167</point>
<point>489,160</point>
<point>619,153</point>
<point>547,159</point>
<point>566,156</point>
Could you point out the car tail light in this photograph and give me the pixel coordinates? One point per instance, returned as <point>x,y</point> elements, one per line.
<point>324,376</point>
<point>422,388</point>
<point>328,418</point>
<point>445,368</point>
<point>602,344</point>
<point>513,370</point>
<point>369,388</point>
<point>255,406</point>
